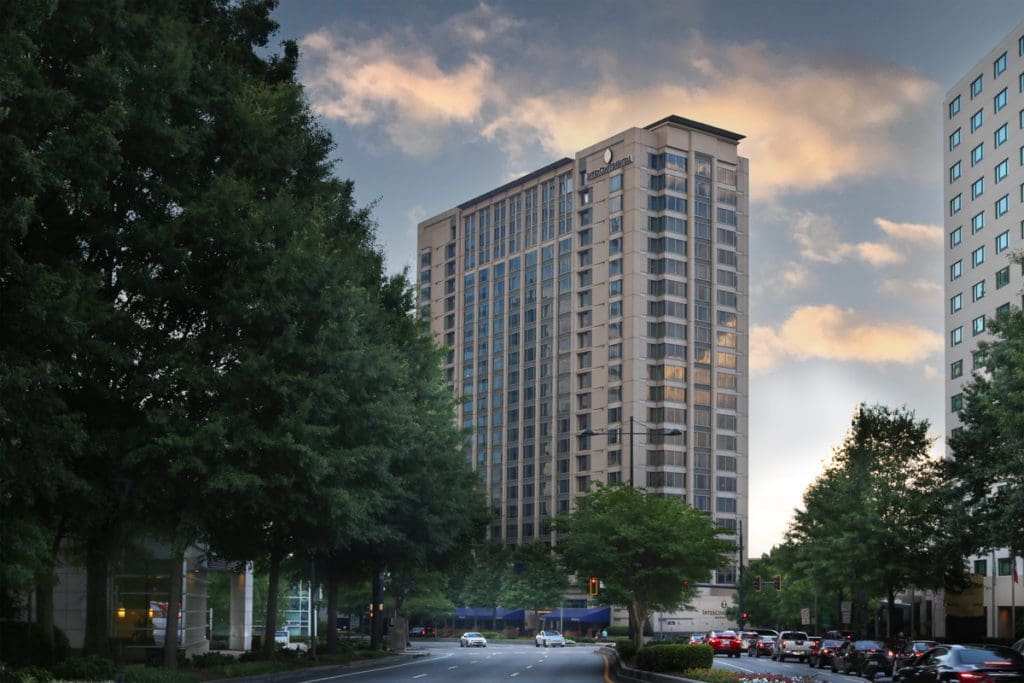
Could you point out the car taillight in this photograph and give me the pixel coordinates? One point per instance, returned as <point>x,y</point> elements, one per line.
<point>972,677</point>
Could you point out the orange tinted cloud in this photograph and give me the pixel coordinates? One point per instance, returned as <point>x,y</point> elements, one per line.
<point>833,333</point>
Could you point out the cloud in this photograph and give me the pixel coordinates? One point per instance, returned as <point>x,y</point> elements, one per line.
<point>931,373</point>
<point>833,333</point>
<point>819,240</point>
<point>924,235</point>
<point>913,290</point>
<point>408,93</point>
<point>807,129</point>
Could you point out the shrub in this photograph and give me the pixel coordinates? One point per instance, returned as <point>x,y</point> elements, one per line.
<point>492,635</point>
<point>21,645</point>
<point>91,668</point>
<point>713,675</point>
<point>625,648</point>
<point>675,658</point>
<point>209,659</point>
<point>154,675</point>
<point>33,674</point>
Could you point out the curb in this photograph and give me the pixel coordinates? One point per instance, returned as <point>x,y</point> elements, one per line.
<point>326,670</point>
<point>624,672</point>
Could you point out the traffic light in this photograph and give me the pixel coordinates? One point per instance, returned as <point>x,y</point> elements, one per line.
<point>746,616</point>
<point>757,583</point>
<point>777,580</point>
<point>595,585</point>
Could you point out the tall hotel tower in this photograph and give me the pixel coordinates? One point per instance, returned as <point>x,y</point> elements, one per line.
<point>595,313</point>
<point>983,177</point>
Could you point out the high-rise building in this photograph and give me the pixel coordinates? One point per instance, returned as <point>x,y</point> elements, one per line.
<point>596,316</point>
<point>983,174</point>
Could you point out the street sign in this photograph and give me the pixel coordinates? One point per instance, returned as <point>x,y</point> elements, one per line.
<point>846,607</point>
<point>805,616</point>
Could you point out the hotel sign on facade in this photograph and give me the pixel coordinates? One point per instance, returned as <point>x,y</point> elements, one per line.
<point>609,165</point>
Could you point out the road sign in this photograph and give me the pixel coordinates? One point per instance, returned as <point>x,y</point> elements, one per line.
<point>846,607</point>
<point>805,616</point>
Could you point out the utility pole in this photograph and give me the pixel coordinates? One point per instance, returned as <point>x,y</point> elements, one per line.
<point>743,611</point>
<point>631,452</point>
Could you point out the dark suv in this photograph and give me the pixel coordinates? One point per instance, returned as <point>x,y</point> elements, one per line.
<point>865,658</point>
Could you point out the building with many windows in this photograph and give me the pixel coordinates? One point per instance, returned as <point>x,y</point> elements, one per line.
<point>983,141</point>
<point>595,316</point>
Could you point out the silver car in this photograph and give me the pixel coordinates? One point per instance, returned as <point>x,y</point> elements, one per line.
<point>472,639</point>
<point>549,639</point>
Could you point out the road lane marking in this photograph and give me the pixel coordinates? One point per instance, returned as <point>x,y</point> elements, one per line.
<point>420,675</point>
<point>418,660</point>
<point>529,666</point>
<point>738,667</point>
<point>453,667</point>
<point>514,675</point>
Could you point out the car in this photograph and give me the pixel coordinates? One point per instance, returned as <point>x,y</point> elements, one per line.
<point>747,638</point>
<point>549,639</point>
<point>865,658</point>
<point>820,656</point>
<point>910,652</point>
<point>696,639</point>
<point>814,641</point>
<point>763,646</point>
<point>724,642</point>
<point>282,637</point>
<point>964,664</point>
<point>1018,646</point>
<point>422,632</point>
<point>791,644</point>
<point>472,639</point>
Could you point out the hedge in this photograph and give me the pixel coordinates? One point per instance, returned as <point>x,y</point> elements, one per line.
<point>625,648</point>
<point>669,657</point>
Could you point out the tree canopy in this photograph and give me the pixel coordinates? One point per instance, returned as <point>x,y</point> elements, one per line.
<point>648,552</point>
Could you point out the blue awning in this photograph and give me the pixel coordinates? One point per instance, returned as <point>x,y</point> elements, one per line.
<point>584,615</point>
<point>490,613</point>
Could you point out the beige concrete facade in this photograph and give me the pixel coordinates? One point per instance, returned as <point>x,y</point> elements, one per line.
<point>983,177</point>
<point>602,291</point>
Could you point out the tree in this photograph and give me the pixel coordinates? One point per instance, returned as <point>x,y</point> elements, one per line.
<point>642,548</point>
<point>875,508</point>
<point>987,464</point>
<point>483,585</point>
<point>534,577</point>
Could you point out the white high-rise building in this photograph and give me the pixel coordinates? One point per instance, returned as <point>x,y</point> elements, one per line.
<point>983,175</point>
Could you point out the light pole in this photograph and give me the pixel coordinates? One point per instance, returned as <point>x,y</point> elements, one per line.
<point>674,431</point>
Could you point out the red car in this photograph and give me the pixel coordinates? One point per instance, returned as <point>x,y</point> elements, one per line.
<point>724,642</point>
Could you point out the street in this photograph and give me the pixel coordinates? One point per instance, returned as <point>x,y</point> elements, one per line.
<point>446,662</point>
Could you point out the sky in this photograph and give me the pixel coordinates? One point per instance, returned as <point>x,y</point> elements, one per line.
<point>433,103</point>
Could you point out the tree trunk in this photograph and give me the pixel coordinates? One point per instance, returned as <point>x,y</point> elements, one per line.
<point>173,602</point>
<point>332,608</point>
<point>638,615</point>
<point>890,616</point>
<point>97,609</point>
<point>270,624</point>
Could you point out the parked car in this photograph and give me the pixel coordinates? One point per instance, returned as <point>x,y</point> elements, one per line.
<point>724,642</point>
<point>1019,646</point>
<point>549,639</point>
<point>472,639</point>
<point>865,658</point>
<point>965,664</point>
<point>820,656</point>
<point>912,651</point>
<point>764,646</point>
<point>791,644</point>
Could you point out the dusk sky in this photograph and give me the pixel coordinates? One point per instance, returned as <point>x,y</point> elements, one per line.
<point>433,103</point>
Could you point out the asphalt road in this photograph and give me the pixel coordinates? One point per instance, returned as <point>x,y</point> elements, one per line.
<point>522,662</point>
<point>446,662</point>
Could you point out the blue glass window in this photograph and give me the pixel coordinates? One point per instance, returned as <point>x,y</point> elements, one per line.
<point>1002,241</point>
<point>978,256</point>
<point>1002,169</point>
<point>977,154</point>
<point>955,237</point>
<point>1001,134</point>
<point>977,120</point>
<point>956,336</point>
<point>956,303</point>
<point>977,188</point>
<point>999,66</point>
<point>977,222</point>
<point>954,139</point>
<point>955,204</point>
<point>954,105</point>
<point>999,101</point>
<point>1002,205</point>
<point>956,270</point>
<point>978,291</point>
<point>976,87</point>
<point>955,171</point>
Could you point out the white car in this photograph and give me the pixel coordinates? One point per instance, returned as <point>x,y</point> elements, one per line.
<point>282,637</point>
<point>549,639</point>
<point>472,639</point>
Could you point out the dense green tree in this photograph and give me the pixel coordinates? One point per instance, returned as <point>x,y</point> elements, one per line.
<point>482,586</point>
<point>534,578</point>
<point>878,507</point>
<point>642,548</point>
<point>987,464</point>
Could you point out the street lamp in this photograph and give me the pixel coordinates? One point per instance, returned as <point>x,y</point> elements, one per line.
<point>675,431</point>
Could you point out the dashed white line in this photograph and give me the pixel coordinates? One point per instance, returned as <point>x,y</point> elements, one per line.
<point>420,675</point>
<point>514,675</point>
<point>453,667</point>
